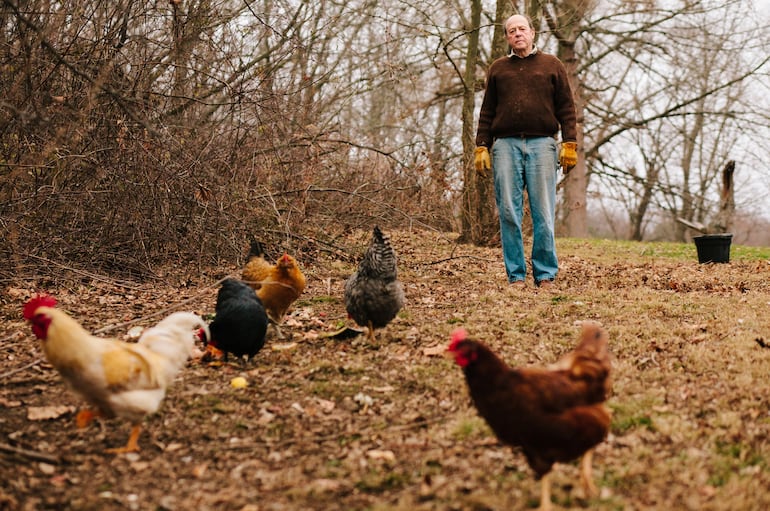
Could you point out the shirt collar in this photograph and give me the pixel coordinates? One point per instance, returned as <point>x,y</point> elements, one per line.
<point>534,50</point>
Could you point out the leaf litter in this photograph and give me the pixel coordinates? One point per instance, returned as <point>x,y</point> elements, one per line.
<point>329,420</point>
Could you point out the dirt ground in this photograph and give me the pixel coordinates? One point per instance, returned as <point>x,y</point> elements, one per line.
<point>327,423</point>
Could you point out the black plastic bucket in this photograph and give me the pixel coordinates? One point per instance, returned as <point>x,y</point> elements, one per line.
<point>713,248</point>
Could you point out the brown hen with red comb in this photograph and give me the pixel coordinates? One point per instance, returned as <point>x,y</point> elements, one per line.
<point>555,414</point>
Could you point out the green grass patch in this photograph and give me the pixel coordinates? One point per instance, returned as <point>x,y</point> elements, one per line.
<point>629,416</point>
<point>322,299</point>
<point>732,458</point>
<point>615,250</point>
<point>377,482</point>
<point>470,428</point>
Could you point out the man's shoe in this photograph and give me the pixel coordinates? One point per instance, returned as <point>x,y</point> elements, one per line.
<point>518,284</point>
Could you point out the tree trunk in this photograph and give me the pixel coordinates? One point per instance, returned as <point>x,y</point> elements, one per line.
<point>691,209</point>
<point>637,216</point>
<point>478,221</point>
<point>724,219</point>
<point>500,46</point>
<point>574,216</point>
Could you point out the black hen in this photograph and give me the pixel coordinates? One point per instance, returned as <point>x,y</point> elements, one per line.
<point>240,323</point>
<point>373,294</point>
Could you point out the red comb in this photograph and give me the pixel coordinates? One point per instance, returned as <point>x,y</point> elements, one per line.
<point>38,300</point>
<point>458,336</point>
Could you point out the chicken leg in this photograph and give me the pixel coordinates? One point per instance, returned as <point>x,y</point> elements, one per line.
<point>277,330</point>
<point>132,445</point>
<point>85,417</point>
<point>586,474</point>
<point>545,493</point>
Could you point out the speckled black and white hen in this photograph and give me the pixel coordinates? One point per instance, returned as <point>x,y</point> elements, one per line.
<point>373,294</point>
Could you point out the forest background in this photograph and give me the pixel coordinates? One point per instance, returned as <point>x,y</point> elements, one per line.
<point>137,133</point>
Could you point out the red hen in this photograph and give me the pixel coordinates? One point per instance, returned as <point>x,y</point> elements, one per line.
<point>554,414</point>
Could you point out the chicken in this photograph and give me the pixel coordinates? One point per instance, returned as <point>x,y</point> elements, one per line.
<point>554,414</point>
<point>118,379</point>
<point>277,285</point>
<point>373,294</point>
<point>240,323</point>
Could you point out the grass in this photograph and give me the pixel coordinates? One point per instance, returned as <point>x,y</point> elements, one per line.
<point>604,250</point>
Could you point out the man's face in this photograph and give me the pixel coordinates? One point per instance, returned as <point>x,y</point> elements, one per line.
<point>520,37</point>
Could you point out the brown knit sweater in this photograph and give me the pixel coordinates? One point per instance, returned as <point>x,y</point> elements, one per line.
<point>528,97</point>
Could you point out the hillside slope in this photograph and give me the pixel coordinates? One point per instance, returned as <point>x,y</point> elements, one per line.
<point>328,423</point>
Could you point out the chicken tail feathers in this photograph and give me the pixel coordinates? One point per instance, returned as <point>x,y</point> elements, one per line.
<point>256,249</point>
<point>380,258</point>
<point>590,360</point>
<point>173,338</point>
<point>378,236</point>
<point>594,341</point>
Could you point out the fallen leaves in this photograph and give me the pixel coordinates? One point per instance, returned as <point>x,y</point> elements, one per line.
<point>9,403</point>
<point>364,400</point>
<point>330,421</point>
<point>381,455</point>
<point>199,470</point>
<point>42,413</point>
<point>134,333</point>
<point>46,468</point>
<point>435,350</point>
<point>344,333</point>
<point>283,346</point>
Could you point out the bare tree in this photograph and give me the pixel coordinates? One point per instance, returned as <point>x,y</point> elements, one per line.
<point>136,133</point>
<point>565,19</point>
<point>673,117</point>
<point>478,214</point>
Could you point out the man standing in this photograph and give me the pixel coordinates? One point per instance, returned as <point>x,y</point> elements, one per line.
<point>527,100</point>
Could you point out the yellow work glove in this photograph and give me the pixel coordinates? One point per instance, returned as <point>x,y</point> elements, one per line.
<point>481,160</point>
<point>568,156</point>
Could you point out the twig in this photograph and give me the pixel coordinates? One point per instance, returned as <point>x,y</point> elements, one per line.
<point>84,273</point>
<point>20,369</point>
<point>340,252</point>
<point>33,455</point>
<point>8,338</point>
<point>162,311</point>
<point>432,263</point>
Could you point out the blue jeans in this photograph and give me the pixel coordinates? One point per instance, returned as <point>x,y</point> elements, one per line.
<point>532,163</point>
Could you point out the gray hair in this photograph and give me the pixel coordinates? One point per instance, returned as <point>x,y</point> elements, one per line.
<point>529,21</point>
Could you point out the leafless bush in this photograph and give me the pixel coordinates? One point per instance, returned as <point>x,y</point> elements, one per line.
<point>137,201</point>
<point>124,149</point>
